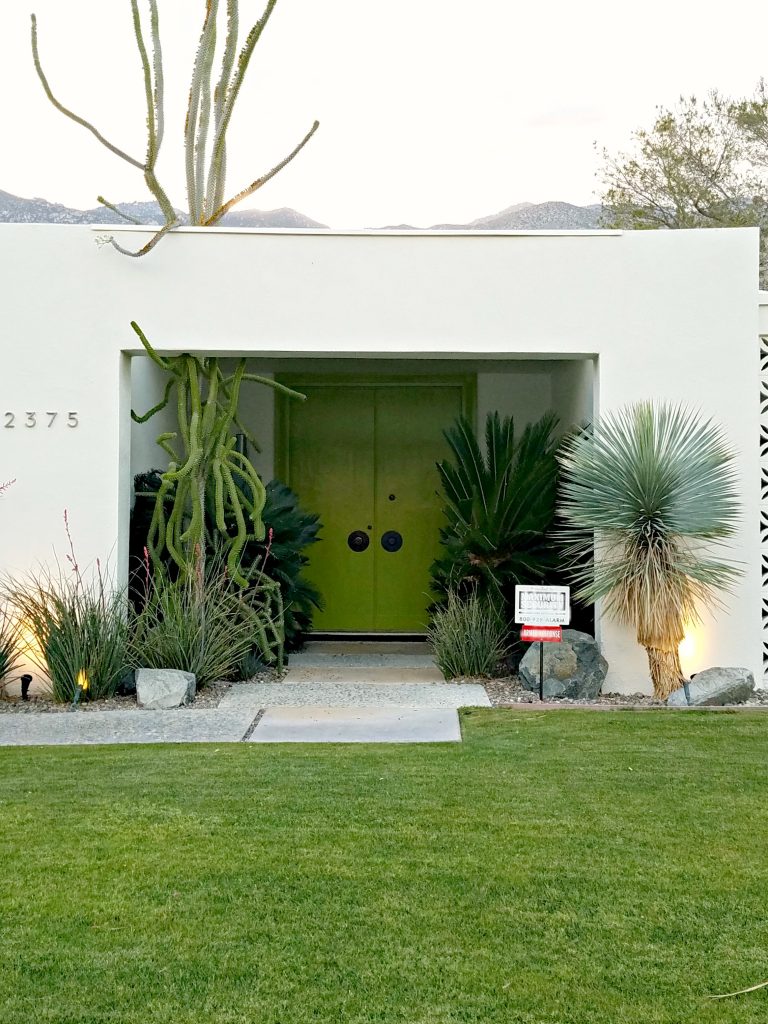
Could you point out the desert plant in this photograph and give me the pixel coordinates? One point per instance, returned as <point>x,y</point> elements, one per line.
<point>10,643</point>
<point>652,487</point>
<point>205,623</point>
<point>78,630</point>
<point>280,556</point>
<point>467,634</point>
<point>207,465</point>
<point>499,508</point>
<point>209,113</point>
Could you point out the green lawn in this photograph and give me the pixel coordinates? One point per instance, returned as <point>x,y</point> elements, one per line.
<point>559,868</point>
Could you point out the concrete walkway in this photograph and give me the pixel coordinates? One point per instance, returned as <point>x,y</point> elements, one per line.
<point>183,726</point>
<point>357,725</point>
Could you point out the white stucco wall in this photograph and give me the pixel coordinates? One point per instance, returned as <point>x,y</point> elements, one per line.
<point>669,315</point>
<point>147,386</point>
<point>525,393</point>
<point>574,391</point>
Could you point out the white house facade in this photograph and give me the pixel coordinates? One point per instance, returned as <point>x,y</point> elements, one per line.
<point>522,323</point>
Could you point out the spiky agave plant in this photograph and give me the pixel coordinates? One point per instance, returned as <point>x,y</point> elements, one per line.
<point>652,487</point>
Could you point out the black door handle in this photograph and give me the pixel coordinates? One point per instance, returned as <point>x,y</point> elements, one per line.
<point>358,540</point>
<point>391,541</point>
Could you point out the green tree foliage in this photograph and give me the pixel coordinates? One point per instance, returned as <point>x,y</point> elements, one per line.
<point>499,507</point>
<point>701,164</point>
<point>651,487</point>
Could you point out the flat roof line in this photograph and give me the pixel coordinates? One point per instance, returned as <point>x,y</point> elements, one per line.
<point>365,232</point>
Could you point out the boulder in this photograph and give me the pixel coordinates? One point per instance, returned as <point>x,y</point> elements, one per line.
<point>715,686</point>
<point>163,688</point>
<point>574,668</point>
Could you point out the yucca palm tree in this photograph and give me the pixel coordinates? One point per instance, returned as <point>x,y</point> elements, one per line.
<point>652,488</point>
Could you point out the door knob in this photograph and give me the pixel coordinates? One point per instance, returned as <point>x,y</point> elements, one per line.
<point>391,541</point>
<point>358,540</point>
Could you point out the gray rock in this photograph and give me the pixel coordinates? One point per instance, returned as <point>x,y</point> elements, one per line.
<point>573,668</point>
<point>716,686</point>
<point>164,688</point>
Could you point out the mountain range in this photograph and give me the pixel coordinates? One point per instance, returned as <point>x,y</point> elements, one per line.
<point>551,216</point>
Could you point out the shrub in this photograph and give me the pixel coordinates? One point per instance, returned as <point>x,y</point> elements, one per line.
<point>280,558</point>
<point>10,644</point>
<point>499,507</point>
<point>283,560</point>
<point>205,624</point>
<point>78,626</point>
<point>468,636</point>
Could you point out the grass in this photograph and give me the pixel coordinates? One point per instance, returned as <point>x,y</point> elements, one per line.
<point>559,868</point>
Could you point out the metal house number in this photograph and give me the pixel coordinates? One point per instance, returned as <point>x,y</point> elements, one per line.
<point>32,420</point>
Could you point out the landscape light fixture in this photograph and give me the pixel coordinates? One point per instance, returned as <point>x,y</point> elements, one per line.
<point>26,681</point>
<point>82,687</point>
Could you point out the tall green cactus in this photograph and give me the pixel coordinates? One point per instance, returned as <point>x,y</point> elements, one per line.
<point>205,160</point>
<point>205,462</point>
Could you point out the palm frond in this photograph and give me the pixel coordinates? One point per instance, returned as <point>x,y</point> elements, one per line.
<point>499,507</point>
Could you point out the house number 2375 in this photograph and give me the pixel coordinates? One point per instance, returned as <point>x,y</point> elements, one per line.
<point>31,420</point>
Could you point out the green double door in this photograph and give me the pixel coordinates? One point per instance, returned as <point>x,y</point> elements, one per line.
<point>363,457</point>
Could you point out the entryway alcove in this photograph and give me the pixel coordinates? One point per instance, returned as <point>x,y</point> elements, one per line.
<point>361,452</point>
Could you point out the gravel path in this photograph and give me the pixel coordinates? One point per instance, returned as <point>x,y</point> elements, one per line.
<point>209,697</point>
<point>507,691</point>
<point>502,692</point>
<point>351,695</point>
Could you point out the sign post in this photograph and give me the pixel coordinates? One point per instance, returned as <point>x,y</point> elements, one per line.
<point>542,612</point>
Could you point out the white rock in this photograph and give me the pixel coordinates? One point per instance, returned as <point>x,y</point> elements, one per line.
<point>163,688</point>
<point>714,687</point>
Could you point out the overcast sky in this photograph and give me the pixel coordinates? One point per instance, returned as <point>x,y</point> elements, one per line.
<point>430,110</point>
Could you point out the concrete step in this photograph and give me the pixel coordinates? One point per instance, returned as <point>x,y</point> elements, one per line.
<point>342,672</point>
<point>253,696</point>
<point>363,654</point>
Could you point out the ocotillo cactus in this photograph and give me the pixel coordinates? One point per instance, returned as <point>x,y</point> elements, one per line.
<point>204,461</point>
<point>205,185</point>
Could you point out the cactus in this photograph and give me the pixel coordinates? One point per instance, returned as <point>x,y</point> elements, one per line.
<point>205,165</point>
<point>204,463</point>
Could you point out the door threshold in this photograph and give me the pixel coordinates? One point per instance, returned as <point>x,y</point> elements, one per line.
<point>365,637</point>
